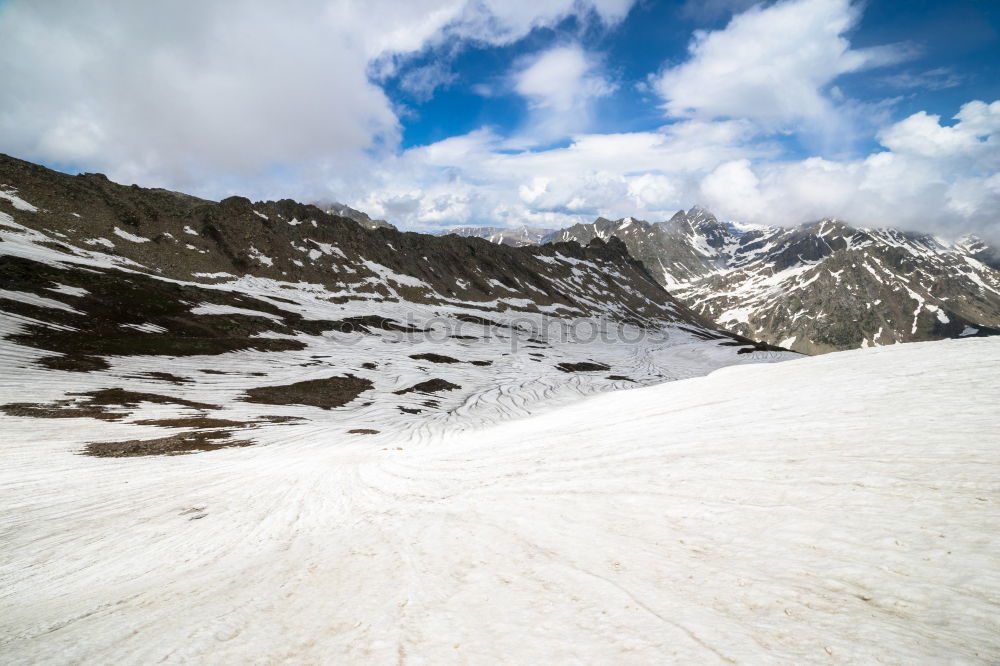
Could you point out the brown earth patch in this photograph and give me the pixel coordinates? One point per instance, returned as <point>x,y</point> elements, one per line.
<point>362,431</point>
<point>369,323</point>
<point>584,366</point>
<point>74,363</point>
<point>165,377</point>
<point>96,405</point>
<point>64,409</point>
<point>192,442</point>
<point>279,419</point>
<point>117,397</point>
<point>192,422</point>
<point>429,386</point>
<point>323,393</point>
<point>435,358</point>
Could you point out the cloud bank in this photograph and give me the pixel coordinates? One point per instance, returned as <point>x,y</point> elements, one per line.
<point>273,100</point>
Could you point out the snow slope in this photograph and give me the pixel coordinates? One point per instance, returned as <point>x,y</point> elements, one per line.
<point>846,514</point>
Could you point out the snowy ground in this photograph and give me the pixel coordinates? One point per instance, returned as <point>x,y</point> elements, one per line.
<point>838,509</point>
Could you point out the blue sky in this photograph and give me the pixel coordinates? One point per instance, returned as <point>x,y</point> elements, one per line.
<point>954,45</point>
<point>438,113</point>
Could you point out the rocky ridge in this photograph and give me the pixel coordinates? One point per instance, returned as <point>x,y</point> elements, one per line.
<point>820,287</point>
<point>165,324</point>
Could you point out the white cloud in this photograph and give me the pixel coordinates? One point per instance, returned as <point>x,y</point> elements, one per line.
<point>560,86</point>
<point>974,136</point>
<point>732,190</point>
<point>421,82</point>
<point>770,64</point>
<point>267,100</point>
<point>476,179</point>
<point>931,177</point>
<point>561,79</point>
<point>480,180</point>
<point>241,95</point>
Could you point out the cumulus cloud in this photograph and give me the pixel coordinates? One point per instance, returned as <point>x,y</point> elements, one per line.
<point>241,95</point>
<point>927,176</point>
<point>560,86</point>
<point>942,178</point>
<point>561,79</point>
<point>266,100</point>
<point>479,179</point>
<point>770,64</point>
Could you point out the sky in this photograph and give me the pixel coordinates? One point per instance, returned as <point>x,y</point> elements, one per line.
<point>441,113</point>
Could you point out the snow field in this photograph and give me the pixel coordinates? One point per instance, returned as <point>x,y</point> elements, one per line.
<point>837,509</point>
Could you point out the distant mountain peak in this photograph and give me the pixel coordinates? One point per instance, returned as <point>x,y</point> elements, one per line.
<point>821,286</point>
<point>362,218</point>
<point>517,236</point>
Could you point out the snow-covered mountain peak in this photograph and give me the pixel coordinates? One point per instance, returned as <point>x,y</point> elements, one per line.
<point>822,285</point>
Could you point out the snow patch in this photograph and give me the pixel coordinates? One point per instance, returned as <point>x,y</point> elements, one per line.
<point>145,328</point>
<point>121,233</point>
<point>215,309</point>
<point>260,257</point>
<point>10,194</point>
<point>39,301</point>
<point>68,290</point>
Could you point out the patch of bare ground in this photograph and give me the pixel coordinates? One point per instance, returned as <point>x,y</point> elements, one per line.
<point>429,386</point>
<point>74,363</point>
<point>434,358</point>
<point>203,421</point>
<point>96,405</point>
<point>193,422</point>
<point>63,409</point>
<point>279,419</point>
<point>362,431</point>
<point>368,323</point>
<point>190,442</point>
<point>583,366</point>
<point>163,377</point>
<point>620,378</point>
<point>117,397</point>
<point>441,358</point>
<point>326,393</point>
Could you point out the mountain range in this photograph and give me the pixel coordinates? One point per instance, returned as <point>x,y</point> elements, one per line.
<point>117,300</point>
<point>514,236</point>
<point>820,287</point>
